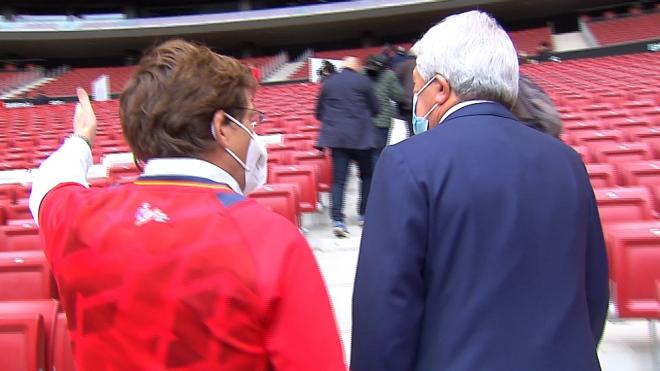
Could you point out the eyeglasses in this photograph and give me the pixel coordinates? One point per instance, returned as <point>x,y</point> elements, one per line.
<point>256,117</point>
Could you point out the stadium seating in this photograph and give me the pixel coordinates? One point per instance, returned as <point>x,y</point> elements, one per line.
<point>62,353</point>
<point>122,173</point>
<point>615,153</point>
<point>22,342</point>
<point>19,214</point>
<point>46,310</point>
<point>280,198</point>
<point>601,175</point>
<point>624,204</point>
<point>20,237</point>
<point>322,161</point>
<point>641,173</point>
<point>13,79</point>
<point>24,275</point>
<point>635,256</point>
<point>628,29</point>
<point>302,73</point>
<point>66,84</point>
<point>362,53</point>
<point>597,136</point>
<point>528,40</point>
<point>305,177</point>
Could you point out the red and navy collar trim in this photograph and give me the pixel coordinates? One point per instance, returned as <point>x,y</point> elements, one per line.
<point>181,181</point>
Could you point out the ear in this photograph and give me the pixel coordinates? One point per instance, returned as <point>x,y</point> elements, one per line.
<point>444,91</point>
<point>220,129</point>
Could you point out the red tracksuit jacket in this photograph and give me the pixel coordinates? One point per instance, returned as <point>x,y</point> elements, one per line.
<point>181,273</point>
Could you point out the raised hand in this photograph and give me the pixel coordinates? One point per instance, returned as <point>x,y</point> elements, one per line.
<point>84,120</point>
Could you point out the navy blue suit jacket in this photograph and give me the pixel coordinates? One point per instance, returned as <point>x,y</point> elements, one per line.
<point>346,107</point>
<point>482,250</point>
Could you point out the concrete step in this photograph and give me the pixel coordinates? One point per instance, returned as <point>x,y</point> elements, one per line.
<point>25,88</point>
<point>284,72</point>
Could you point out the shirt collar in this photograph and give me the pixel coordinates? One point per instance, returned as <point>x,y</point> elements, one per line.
<point>190,167</point>
<point>461,105</point>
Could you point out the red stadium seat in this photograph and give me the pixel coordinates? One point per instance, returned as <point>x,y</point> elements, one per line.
<point>320,159</point>
<point>614,153</point>
<point>279,147</point>
<point>123,173</point>
<point>641,173</point>
<point>279,198</point>
<point>623,204</point>
<point>279,158</point>
<point>635,252</point>
<point>24,275</point>
<point>646,134</point>
<point>653,114</point>
<point>305,177</point>
<point>303,145</point>
<point>98,182</point>
<point>20,237</point>
<point>8,192</point>
<point>626,124</point>
<point>598,136</point>
<point>23,193</point>
<point>22,342</point>
<point>584,153</point>
<point>581,126</point>
<point>47,309</point>
<point>311,130</point>
<point>291,124</point>
<point>601,175</point>
<point>272,131</point>
<point>18,164</point>
<point>62,352</point>
<point>19,214</point>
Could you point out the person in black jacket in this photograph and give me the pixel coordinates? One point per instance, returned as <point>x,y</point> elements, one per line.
<point>346,107</point>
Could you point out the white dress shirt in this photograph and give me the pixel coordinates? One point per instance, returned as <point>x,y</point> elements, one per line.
<point>461,105</point>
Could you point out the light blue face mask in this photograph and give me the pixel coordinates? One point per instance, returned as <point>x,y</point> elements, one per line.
<point>420,124</point>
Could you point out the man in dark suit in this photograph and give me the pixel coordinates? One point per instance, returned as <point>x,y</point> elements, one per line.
<point>346,108</point>
<point>482,247</point>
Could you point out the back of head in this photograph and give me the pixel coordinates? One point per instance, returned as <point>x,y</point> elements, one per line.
<point>474,54</point>
<point>168,104</point>
<point>352,63</point>
<point>375,65</point>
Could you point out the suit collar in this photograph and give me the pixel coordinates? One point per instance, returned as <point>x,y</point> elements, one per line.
<point>485,108</point>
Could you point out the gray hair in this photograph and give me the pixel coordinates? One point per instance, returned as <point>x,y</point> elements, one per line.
<point>474,54</point>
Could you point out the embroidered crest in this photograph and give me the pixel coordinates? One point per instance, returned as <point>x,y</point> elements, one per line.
<point>145,214</point>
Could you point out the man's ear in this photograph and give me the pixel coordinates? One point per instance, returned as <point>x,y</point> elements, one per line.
<point>219,129</point>
<point>444,91</point>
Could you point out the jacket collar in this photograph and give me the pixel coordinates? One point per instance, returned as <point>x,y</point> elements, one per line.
<point>478,109</point>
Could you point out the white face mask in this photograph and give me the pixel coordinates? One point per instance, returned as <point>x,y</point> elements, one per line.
<point>256,162</point>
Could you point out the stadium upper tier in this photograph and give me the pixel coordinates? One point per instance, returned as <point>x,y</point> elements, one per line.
<point>623,30</point>
<point>529,40</point>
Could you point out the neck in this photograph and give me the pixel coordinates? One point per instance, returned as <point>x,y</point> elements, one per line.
<point>223,160</point>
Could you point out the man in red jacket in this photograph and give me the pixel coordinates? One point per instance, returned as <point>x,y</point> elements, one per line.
<point>179,270</point>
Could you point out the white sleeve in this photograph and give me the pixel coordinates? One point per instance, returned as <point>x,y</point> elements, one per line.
<point>69,163</point>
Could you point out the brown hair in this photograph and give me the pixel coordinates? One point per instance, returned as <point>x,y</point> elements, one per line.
<point>167,106</point>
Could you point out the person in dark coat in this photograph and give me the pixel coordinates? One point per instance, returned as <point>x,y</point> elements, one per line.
<point>482,247</point>
<point>346,107</point>
<point>404,72</point>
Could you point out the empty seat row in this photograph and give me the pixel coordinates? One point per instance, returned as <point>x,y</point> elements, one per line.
<point>636,173</point>
<point>634,259</point>
<point>616,153</point>
<point>34,336</point>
